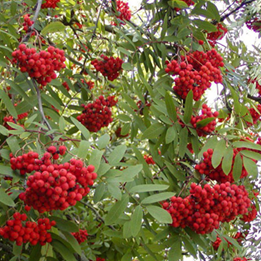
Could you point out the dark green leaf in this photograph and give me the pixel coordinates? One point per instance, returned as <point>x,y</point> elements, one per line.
<point>53,27</point>
<point>157,197</point>
<point>65,225</point>
<point>250,167</point>
<point>237,167</point>
<point>148,188</point>
<point>188,107</point>
<point>219,151</point>
<point>81,128</point>
<point>136,221</point>
<point>227,160</point>
<point>5,199</point>
<point>63,250</point>
<point>8,103</point>
<point>117,154</point>
<point>171,108</point>
<point>154,131</point>
<point>204,25</point>
<point>159,214</point>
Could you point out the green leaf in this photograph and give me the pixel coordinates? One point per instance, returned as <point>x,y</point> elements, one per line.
<point>13,144</point>
<point>83,149</point>
<point>124,51</point>
<point>35,253</point>
<point>65,225</point>
<point>5,199</point>
<point>103,141</point>
<point>227,160</point>
<point>129,173</point>
<point>183,142</point>
<point>95,158</point>
<point>6,170</point>
<point>250,167</point>
<point>53,27</point>
<point>148,188</point>
<point>213,10</point>
<point>63,250</point>
<point>117,154</point>
<point>189,247</point>
<point>117,209</point>
<point>114,190</point>
<point>188,107</point>
<point>247,145</point>
<point>62,123</point>
<point>3,130</point>
<point>73,242</point>
<point>237,167</point>
<point>204,25</point>
<point>127,229</point>
<point>124,118</point>
<point>170,134</point>
<point>204,122</point>
<point>154,131</point>
<point>251,154</point>
<point>159,214</point>
<point>127,66</point>
<point>171,108</point>
<point>8,103</point>
<point>175,253</point>
<point>136,221</point>
<point>157,197</point>
<point>81,128</point>
<point>218,153</point>
<point>99,192</point>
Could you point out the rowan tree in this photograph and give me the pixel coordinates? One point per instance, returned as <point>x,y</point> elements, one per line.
<point>129,134</point>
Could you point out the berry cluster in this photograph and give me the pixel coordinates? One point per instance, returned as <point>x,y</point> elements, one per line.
<point>42,65</point>
<point>149,160</point>
<point>196,72</point>
<point>217,243</point>
<point>205,114</point>
<point>27,22</point>
<point>118,133</point>
<point>30,161</point>
<point>206,207</point>
<point>50,4</point>
<point>109,66</point>
<point>218,35</point>
<point>66,86</point>
<point>10,118</point>
<point>89,84</point>
<point>124,10</point>
<point>241,259</point>
<point>97,114</point>
<point>206,168</point>
<point>32,232</point>
<point>58,186</point>
<point>251,215</point>
<point>255,115</point>
<point>254,24</point>
<point>188,2</point>
<point>80,236</point>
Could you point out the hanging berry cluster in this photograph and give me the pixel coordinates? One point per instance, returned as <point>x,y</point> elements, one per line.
<point>206,168</point>
<point>108,66</point>
<point>238,236</point>
<point>10,118</point>
<point>80,236</point>
<point>149,160</point>
<point>53,186</point>
<point>40,66</point>
<point>255,115</point>
<point>50,4</point>
<point>18,230</point>
<point>97,114</point>
<point>124,10</point>
<point>196,72</point>
<point>27,22</point>
<point>218,35</point>
<point>206,207</point>
<point>206,114</point>
<point>251,215</point>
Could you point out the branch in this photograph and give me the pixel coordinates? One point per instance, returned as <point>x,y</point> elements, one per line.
<point>36,14</point>
<point>258,99</point>
<point>41,105</point>
<point>236,9</point>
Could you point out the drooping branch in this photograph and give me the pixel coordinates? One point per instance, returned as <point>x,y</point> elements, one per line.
<point>41,105</point>
<point>225,16</point>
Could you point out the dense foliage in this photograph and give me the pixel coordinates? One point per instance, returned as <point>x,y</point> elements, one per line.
<point>129,135</point>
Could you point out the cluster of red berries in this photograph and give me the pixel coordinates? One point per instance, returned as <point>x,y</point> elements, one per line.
<point>149,160</point>
<point>254,24</point>
<point>118,133</point>
<point>42,65</point>
<point>124,10</point>
<point>89,84</point>
<point>258,86</point>
<point>218,35</point>
<point>58,186</point>
<point>206,207</point>
<point>50,4</point>
<point>251,215</point>
<point>12,119</point>
<point>196,72</point>
<point>109,66</point>
<point>206,168</point>
<point>208,128</point>
<point>27,22</point>
<point>97,114</point>
<point>32,232</point>
<point>80,236</point>
<point>30,161</point>
<point>241,259</point>
<point>66,86</point>
<point>255,115</point>
<point>188,2</point>
<point>100,259</point>
<point>239,237</point>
